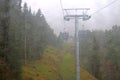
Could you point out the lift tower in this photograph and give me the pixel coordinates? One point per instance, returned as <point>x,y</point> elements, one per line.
<point>77,13</point>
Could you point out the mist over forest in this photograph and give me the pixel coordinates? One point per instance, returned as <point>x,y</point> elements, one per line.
<point>105,18</point>
<point>32,47</point>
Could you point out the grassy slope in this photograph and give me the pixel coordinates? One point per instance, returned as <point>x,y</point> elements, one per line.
<point>54,65</point>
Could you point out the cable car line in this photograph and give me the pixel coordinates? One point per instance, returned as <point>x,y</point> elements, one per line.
<point>108,5</point>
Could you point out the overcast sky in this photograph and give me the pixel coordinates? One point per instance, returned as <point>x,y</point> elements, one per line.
<point>104,19</point>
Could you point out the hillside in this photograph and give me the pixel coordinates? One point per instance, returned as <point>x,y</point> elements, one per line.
<point>54,65</point>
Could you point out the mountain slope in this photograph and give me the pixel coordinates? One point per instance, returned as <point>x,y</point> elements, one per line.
<point>54,65</point>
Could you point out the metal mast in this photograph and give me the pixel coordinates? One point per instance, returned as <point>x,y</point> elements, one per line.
<point>76,17</point>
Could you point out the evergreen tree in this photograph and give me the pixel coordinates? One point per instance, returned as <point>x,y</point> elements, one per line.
<point>94,62</point>
<point>23,37</point>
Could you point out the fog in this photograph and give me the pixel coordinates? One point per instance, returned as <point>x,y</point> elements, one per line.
<point>105,18</point>
<point>30,49</point>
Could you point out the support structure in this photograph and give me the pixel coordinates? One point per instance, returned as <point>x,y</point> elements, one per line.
<point>76,17</point>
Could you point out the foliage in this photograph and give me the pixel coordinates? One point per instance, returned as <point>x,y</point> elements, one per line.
<point>23,36</point>
<point>54,65</point>
<point>99,52</point>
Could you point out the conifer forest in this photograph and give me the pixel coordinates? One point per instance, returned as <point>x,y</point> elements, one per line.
<point>30,49</point>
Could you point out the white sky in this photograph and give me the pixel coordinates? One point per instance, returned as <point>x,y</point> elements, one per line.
<point>53,13</point>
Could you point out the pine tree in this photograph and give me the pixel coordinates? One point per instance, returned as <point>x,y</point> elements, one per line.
<point>95,60</point>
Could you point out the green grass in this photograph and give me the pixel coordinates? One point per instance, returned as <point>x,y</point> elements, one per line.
<point>54,65</point>
<point>67,67</point>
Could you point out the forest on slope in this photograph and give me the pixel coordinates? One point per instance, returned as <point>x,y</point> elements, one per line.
<point>100,53</point>
<point>23,37</point>
<point>99,57</point>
